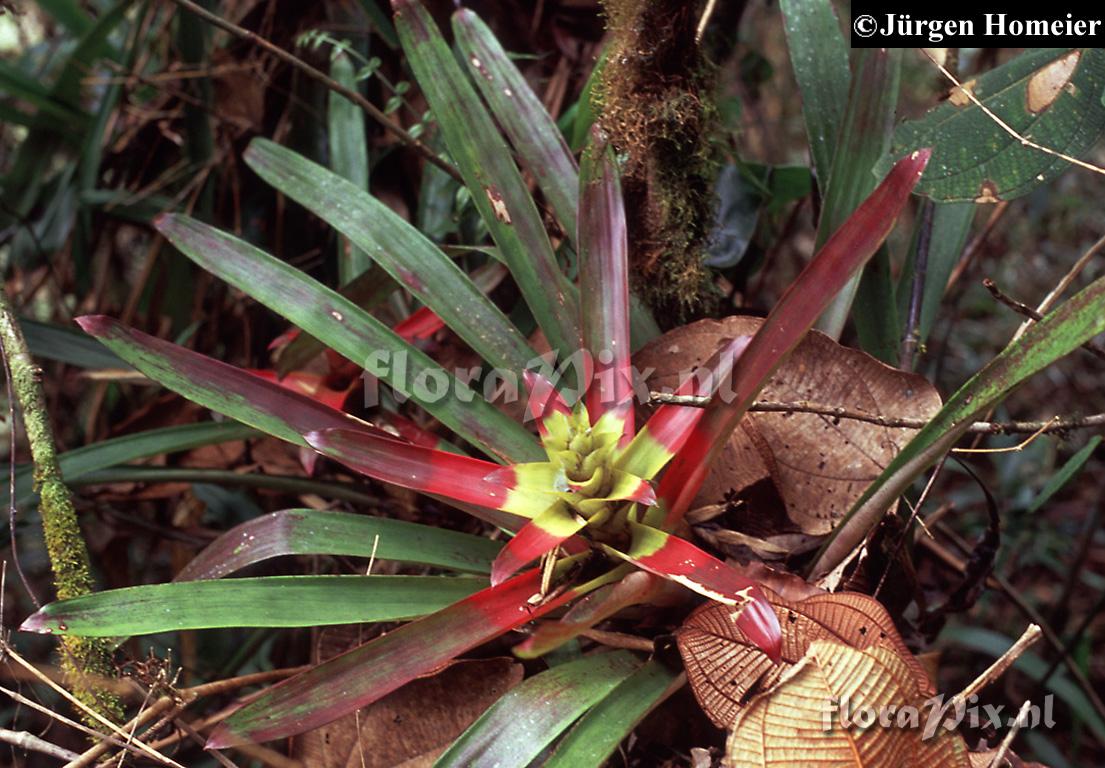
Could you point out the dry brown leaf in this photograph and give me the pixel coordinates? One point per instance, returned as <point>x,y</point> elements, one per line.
<point>413,725</point>
<point>725,669</point>
<point>818,465</point>
<point>793,724</point>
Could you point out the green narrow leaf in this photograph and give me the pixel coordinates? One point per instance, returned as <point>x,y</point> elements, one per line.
<point>272,601</point>
<point>497,188</point>
<point>1060,332</point>
<point>1071,468</point>
<point>348,157</point>
<point>516,728</point>
<point>408,256</point>
<point>1050,95</point>
<point>381,24</point>
<point>523,117</point>
<point>67,345</point>
<point>951,223</point>
<point>69,14</point>
<point>864,137</point>
<point>585,107</point>
<point>599,732</point>
<point>819,56</point>
<point>311,532</point>
<point>352,332</point>
<point>121,450</point>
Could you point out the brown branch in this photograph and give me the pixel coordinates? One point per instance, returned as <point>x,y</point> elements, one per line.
<point>371,109</point>
<point>1091,346</point>
<point>837,412</point>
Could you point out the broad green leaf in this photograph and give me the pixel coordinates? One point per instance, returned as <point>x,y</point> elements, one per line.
<point>408,256</point>
<point>348,156</point>
<point>312,532</point>
<point>864,137</point>
<point>819,56</point>
<point>523,117</point>
<point>1060,332</point>
<point>951,223</point>
<point>121,450</point>
<point>1051,96</point>
<point>516,728</point>
<point>1071,468</point>
<point>497,188</point>
<point>357,678</point>
<point>346,328</point>
<point>272,601</point>
<point>599,732</point>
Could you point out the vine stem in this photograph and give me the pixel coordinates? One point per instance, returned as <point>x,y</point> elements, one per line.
<point>83,659</point>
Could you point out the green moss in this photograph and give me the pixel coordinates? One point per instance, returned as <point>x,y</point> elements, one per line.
<point>655,102</point>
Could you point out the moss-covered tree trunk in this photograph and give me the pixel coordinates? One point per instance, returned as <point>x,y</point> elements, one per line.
<point>81,657</point>
<point>657,106</point>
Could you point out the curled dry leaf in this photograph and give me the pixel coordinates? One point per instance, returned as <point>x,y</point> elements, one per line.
<point>794,724</point>
<point>726,670</point>
<point>816,464</point>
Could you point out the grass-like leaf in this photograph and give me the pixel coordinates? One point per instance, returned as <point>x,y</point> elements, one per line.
<point>516,728</point>
<point>346,328</point>
<point>1061,331</point>
<point>314,532</point>
<point>348,155</point>
<point>485,163</point>
<point>405,253</point>
<point>273,601</point>
<point>523,117</point>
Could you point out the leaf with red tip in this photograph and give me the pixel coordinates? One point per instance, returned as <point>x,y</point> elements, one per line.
<point>846,251</point>
<point>462,478</point>
<point>543,399</point>
<point>684,563</point>
<point>361,676</point>
<point>243,396</point>
<point>540,535</point>
<point>664,434</point>
<point>604,285</point>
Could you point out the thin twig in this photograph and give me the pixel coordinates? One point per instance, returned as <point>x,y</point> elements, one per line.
<point>1090,346</point>
<point>836,412</point>
<point>373,111</point>
<point>24,740</point>
<point>1007,742</point>
<point>619,640</point>
<point>1030,635</point>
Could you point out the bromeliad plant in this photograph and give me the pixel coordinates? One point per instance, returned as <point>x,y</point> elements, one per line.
<point>590,498</point>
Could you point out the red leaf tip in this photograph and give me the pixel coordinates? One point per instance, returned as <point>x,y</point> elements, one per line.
<point>222,737</point>
<point>95,325</point>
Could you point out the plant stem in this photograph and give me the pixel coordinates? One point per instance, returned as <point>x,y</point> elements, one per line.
<point>64,541</point>
<point>917,292</point>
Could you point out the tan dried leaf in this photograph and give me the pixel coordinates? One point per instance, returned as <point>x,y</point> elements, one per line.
<point>725,669</point>
<point>818,465</point>
<point>794,724</point>
<point>412,726</point>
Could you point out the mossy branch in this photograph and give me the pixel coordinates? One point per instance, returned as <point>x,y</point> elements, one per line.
<point>81,657</point>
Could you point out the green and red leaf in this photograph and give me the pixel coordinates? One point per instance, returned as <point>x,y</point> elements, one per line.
<point>361,676</point>
<point>604,286</point>
<point>843,254</point>
<point>677,559</point>
<point>462,478</point>
<point>540,535</point>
